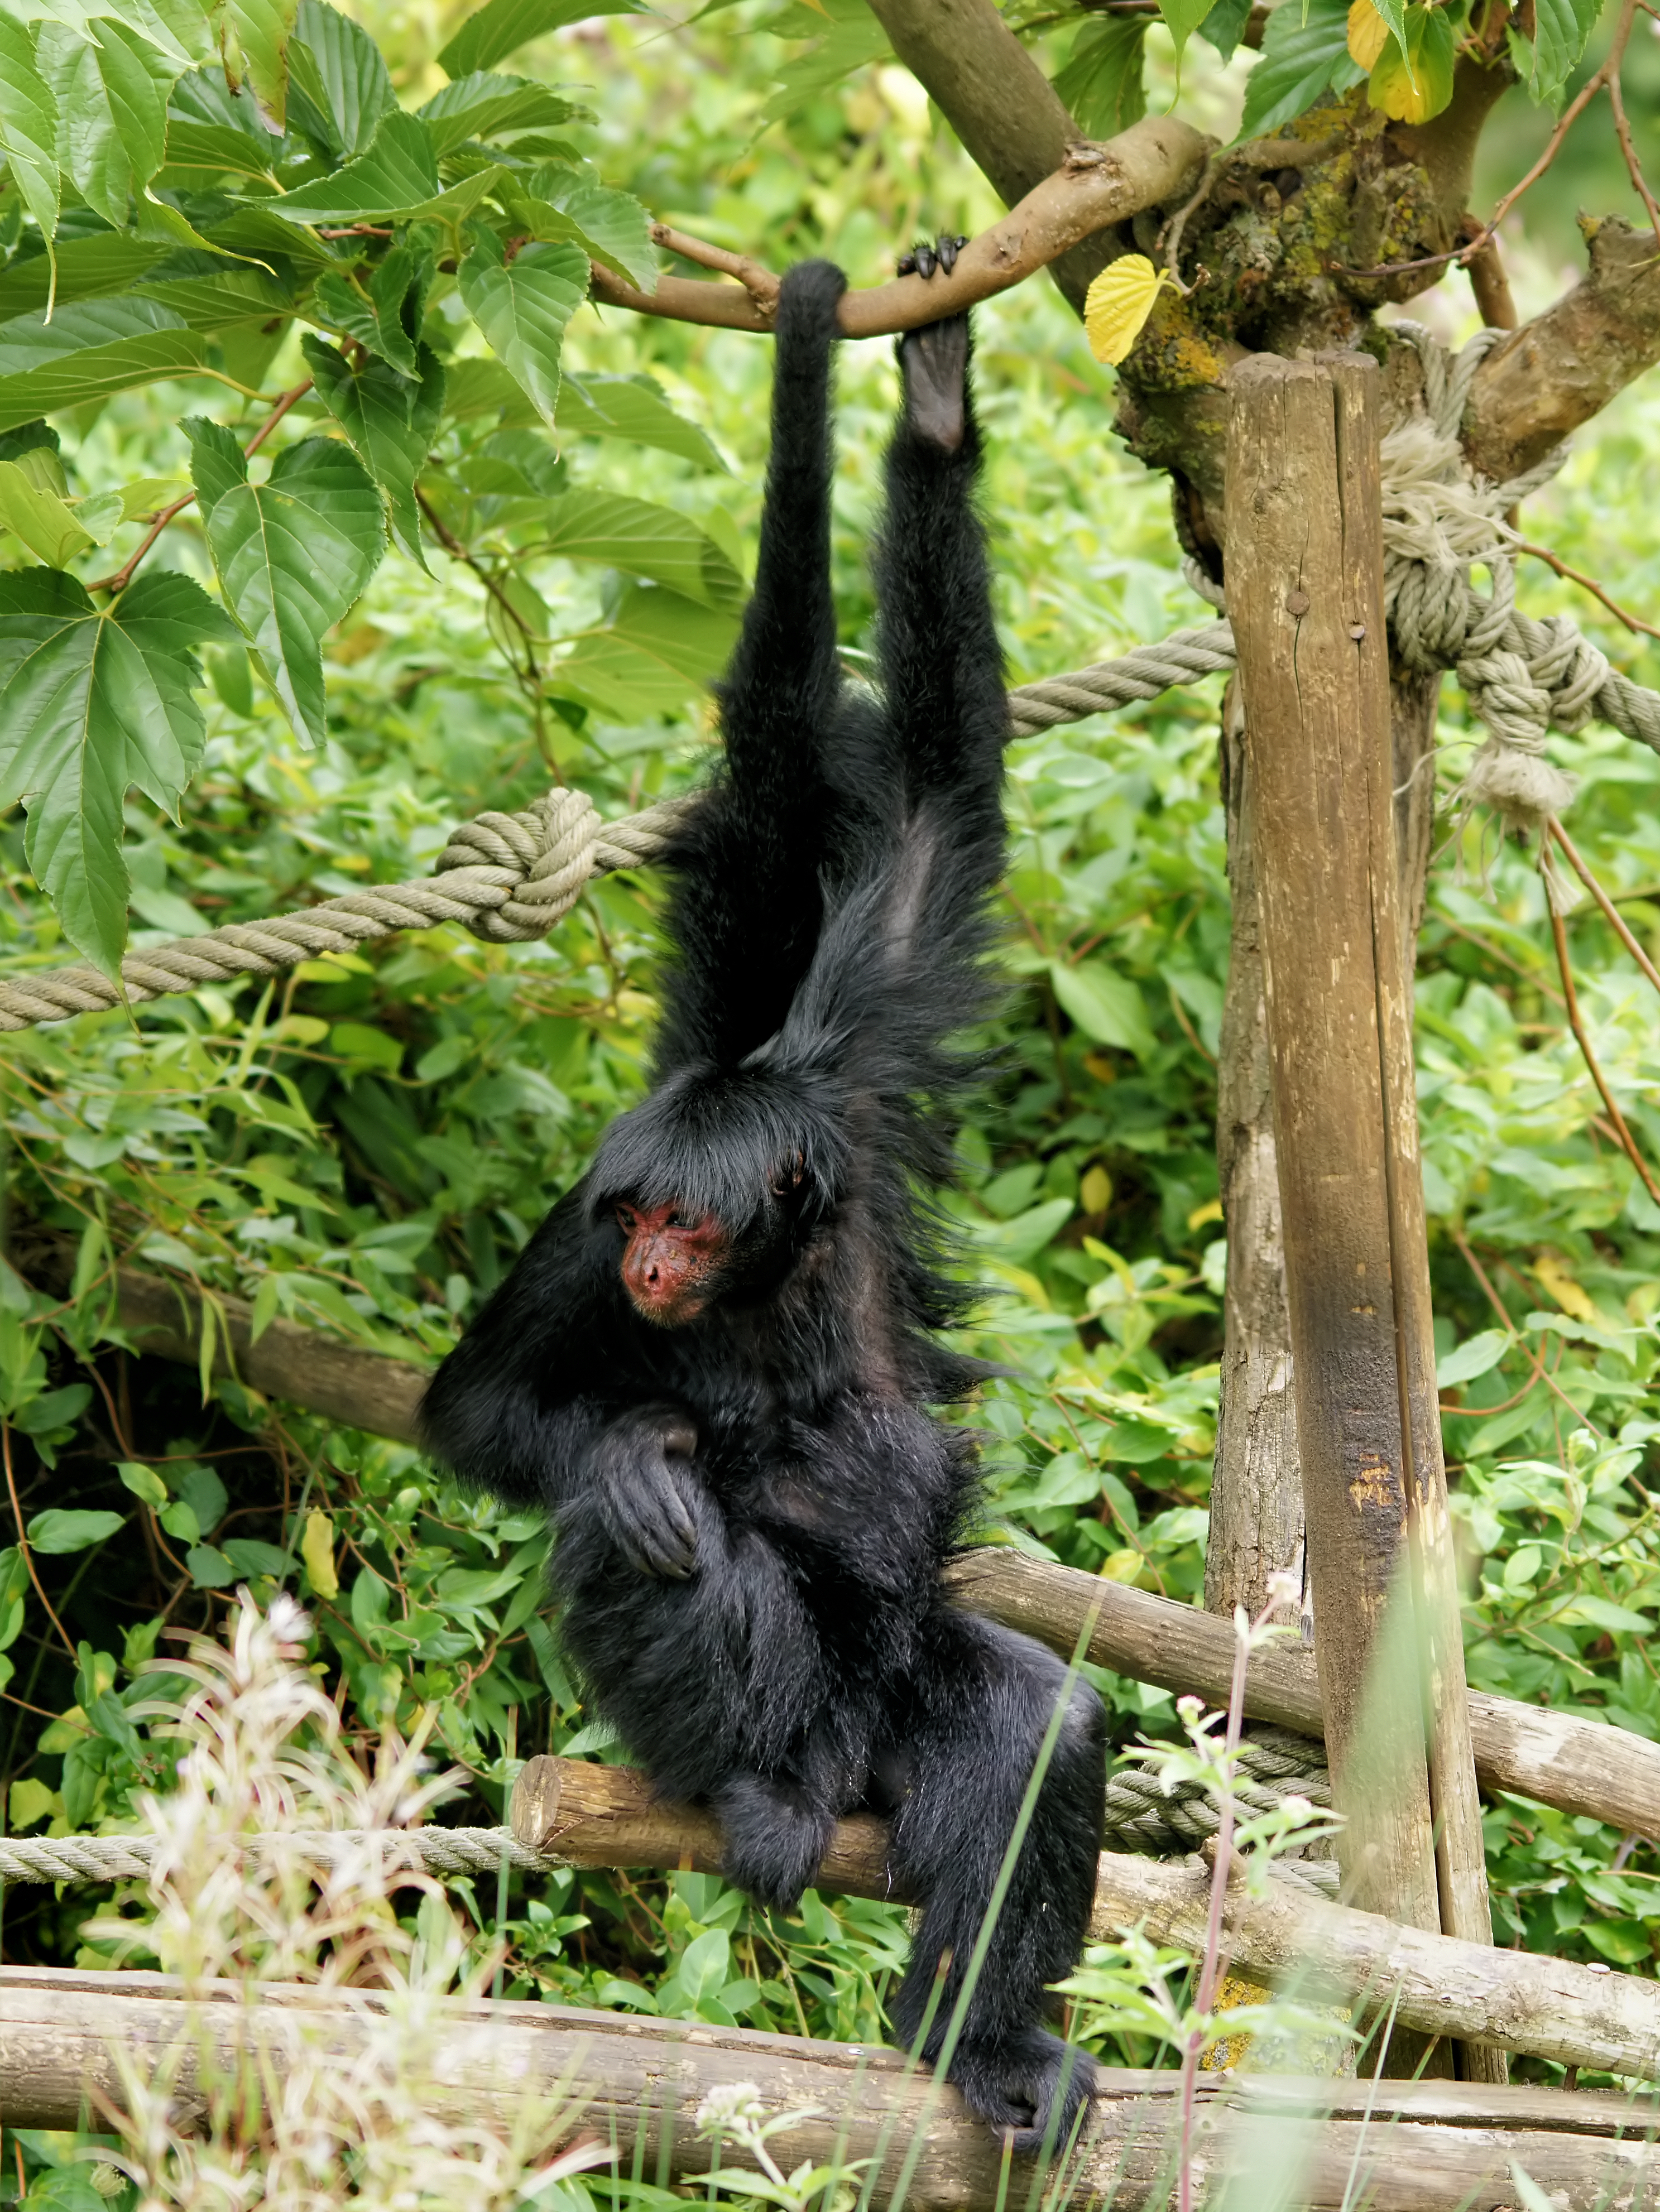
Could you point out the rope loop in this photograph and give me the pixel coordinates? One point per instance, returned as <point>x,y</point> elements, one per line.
<point>545,855</point>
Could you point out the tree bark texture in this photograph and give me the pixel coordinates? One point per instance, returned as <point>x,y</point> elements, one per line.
<point>1396,2147</point>
<point>1305,595</point>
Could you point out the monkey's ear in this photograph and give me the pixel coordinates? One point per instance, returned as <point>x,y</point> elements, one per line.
<point>783,1184</point>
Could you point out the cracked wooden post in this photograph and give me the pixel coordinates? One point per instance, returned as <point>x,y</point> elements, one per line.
<point>1305,577</point>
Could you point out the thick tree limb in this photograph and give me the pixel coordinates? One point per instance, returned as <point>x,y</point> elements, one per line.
<point>1568,363</point>
<point>1576,1764</point>
<point>1554,2007</point>
<point>1090,188</point>
<point>1396,2146</point>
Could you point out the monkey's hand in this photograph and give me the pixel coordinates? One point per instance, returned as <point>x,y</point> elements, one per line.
<point>642,1469</point>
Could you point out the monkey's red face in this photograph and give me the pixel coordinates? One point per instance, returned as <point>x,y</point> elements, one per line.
<point>672,1264</point>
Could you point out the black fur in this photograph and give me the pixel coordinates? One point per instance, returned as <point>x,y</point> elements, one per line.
<point>752,1509</point>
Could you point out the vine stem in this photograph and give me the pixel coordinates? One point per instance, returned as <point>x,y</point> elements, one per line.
<point>1621,928</point>
<point>23,1544</point>
<point>1559,932</point>
<point>123,576</point>
<point>530,681</point>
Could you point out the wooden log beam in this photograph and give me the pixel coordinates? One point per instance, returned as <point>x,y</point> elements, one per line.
<point>1562,1759</point>
<point>1305,596</point>
<point>1395,2146</point>
<point>606,1816</point>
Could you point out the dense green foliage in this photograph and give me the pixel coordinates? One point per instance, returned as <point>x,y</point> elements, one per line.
<point>364,1145</point>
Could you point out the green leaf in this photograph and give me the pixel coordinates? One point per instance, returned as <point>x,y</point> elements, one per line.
<point>1588,1611</point>
<point>1023,1238</point>
<point>211,127</point>
<point>250,1558</point>
<point>657,651</point>
<point>1182,19</point>
<point>644,540</point>
<point>610,227</point>
<point>112,110</point>
<point>86,267</point>
<point>503,26</point>
<point>338,86</point>
<point>209,1568</point>
<point>292,553</point>
<point>214,302</point>
<point>145,1484</point>
<point>522,308</point>
<point>92,701</point>
<point>1225,25</point>
<point>398,176</point>
<point>390,420</point>
<point>57,1531</point>
<point>853,39</point>
<point>1414,85</point>
<point>1562,30</point>
<point>1304,53</point>
<point>46,524</point>
<point>86,352</point>
<point>632,407</point>
<point>29,124</point>
<point>387,318</point>
<point>1105,1006</point>
<point>1476,1356</point>
<point>253,40</point>
<point>485,107</point>
<point>1102,83</point>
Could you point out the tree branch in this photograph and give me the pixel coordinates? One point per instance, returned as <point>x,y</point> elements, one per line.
<point>1092,188</point>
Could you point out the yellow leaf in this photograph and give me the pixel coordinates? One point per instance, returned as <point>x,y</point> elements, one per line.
<point>317,1550</point>
<point>1210,1211</point>
<point>1368,35</point>
<point>1095,1192</point>
<point>1568,1294</point>
<point>1118,303</point>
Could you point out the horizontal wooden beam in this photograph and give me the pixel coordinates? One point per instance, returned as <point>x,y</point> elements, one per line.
<point>1576,1764</point>
<point>1395,2146</point>
<point>1556,2008</point>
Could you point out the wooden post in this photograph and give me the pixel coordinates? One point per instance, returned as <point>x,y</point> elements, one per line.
<point>1305,541</point>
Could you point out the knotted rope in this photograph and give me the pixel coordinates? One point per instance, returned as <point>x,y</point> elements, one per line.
<point>1139,1817</point>
<point>510,878</point>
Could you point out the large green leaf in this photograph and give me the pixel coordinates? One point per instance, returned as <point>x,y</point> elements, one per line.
<point>501,26</point>
<point>111,111</point>
<point>610,227</point>
<point>253,39</point>
<point>54,531</point>
<point>390,420</point>
<point>485,107</point>
<point>88,268</point>
<point>644,540</point>
<point>211,128</point>
<point>338,86</point>
<point>522,307</point>
<point>1182,19</point>
<point>91,700</point>
<point>292,553</point>
<point>1105,1006</point>
<point>29,124</point>
<point>386,315</point>
<point>657,651</point>
<point>1303,52</point>
<point>632,407</point>
<point>398,178</point>
<point>1102,83</point>
<point>1561,29</point>
<point>88,351</point>
<point>178,29</point>
<point>229,295</point>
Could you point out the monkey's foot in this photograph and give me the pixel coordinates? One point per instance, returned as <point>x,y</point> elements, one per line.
<point>923,259</point>
<point>776,1841</point>
<point>1030,2085</point>
<point>934,362</point>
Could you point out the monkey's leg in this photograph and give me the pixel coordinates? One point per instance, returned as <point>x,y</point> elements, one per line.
<point>776,1835</point>
<point>983,1698</point>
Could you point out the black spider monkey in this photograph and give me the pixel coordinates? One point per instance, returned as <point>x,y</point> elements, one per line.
<point>713,1360</point>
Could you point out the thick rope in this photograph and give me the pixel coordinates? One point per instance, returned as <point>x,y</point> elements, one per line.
<point>510,878</point>
<point>1139,1817</point>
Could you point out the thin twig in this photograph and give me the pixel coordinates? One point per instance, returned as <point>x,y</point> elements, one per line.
<point>123,576</point>
<point>1627,1143</point>
<point>24,1551</point>
<point>1621,928</point>
<point>1640,183</point>
<point>1586,583</point>
<point>759,281</point>
<point>530,681</point>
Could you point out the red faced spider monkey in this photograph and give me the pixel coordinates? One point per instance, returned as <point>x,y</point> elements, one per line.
<point>713,1364</point>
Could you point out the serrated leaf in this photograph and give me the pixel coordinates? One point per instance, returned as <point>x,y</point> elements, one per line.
<point>1561,30</point>
<point>1305,52</point>
<point>86,352</point>
<point>91,700</point>
<point>632,407</point>
<point>88,269</point>
<point>386,318</point>
<point>390,420</point>
<point>657,651</point>
<point>253,40</point>
<point>176,28</point>
<point>1369,31</point>
<point>292,554</point>
<point>1182,19</point>
<point>1102,83</point>
<point>45,522</point>
<point>480,107</point>
<point>28,125</point>
<point>211,127</point>
<point>1105,1005</point>
<point>397,179</point>
<point>1117,305</point>
<point>1225,25</point>
<point>338,85</point>
<point>522,308</point>
<point>500,27</point>
<point>1412,84</point>
<point>642,539</point>
<point>610,227</point>
<point>111,111</point>
<point>212,303</point>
